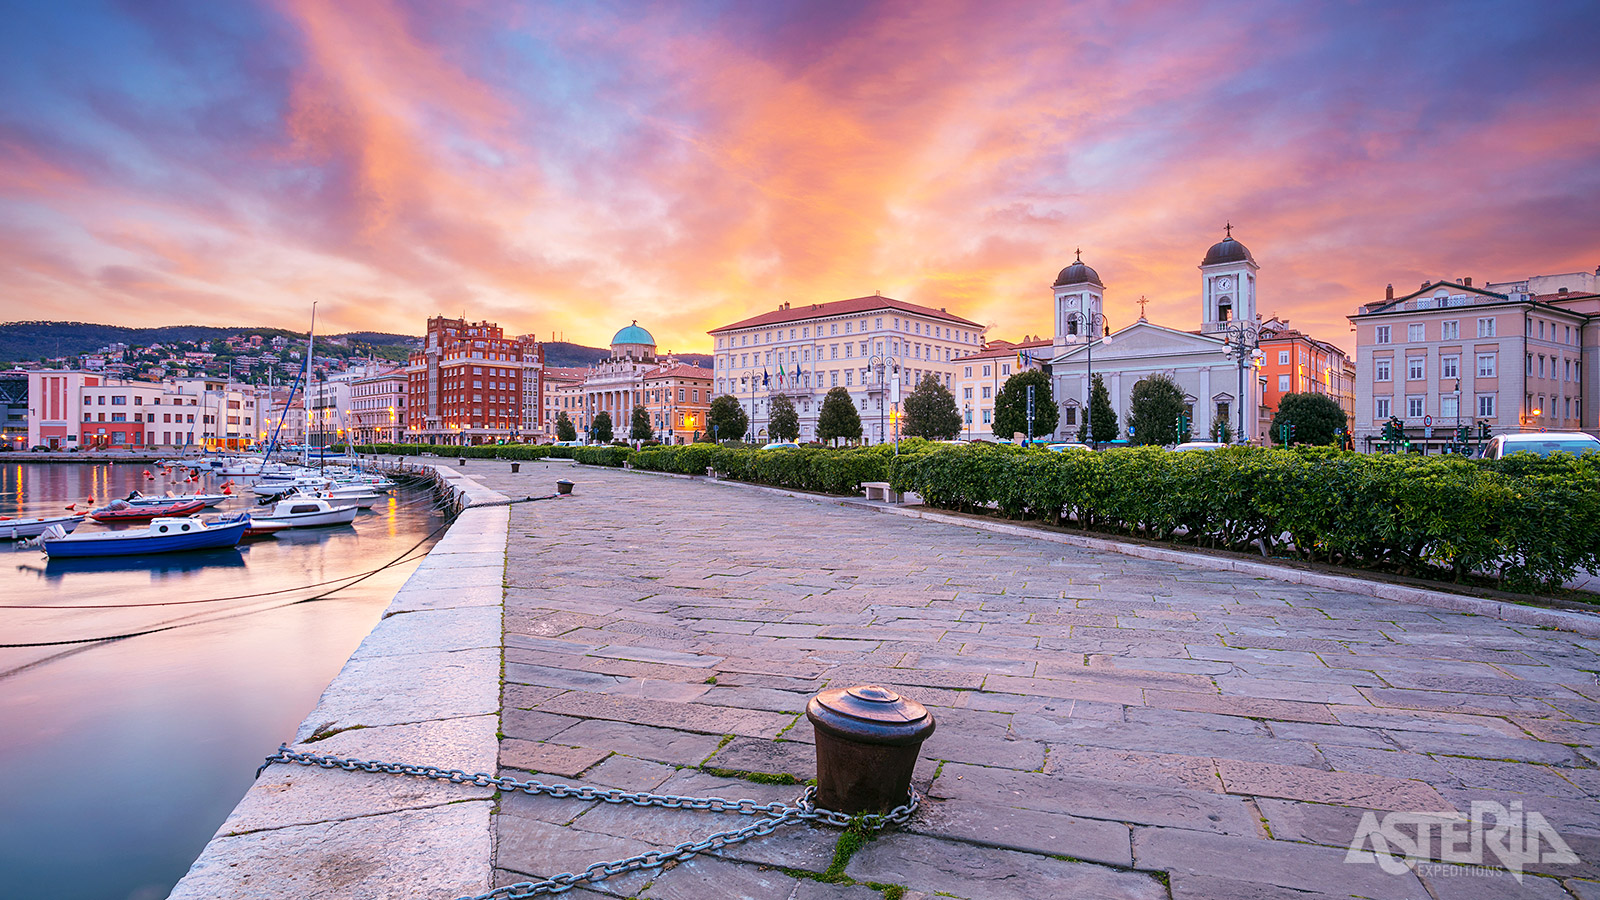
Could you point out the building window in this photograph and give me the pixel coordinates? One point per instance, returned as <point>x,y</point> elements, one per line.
<point>1414,368</point>
<point>1485,328</point>
<point>1449,407</point>
<point>1450,331</point>
<point>967,394</point>
<point>1381,370</point>
<point>1450,367</point>
<point>1485,406</point>
<point>986,417</point>
<point>967,373</point>
<point>1416,333</point>
<point>1414,407</point>
<point>1380,407</point>
<point>1486,364</point>
<point>1283,357</point>
<point>1283,383</point>
<point>986,390</point>
<point>1380,334</point>
<point>986,371</point>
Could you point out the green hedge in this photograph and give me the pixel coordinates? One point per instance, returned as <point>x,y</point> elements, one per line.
<point>827,471</point>
<point>594,456</point>
<point>1529,521</point>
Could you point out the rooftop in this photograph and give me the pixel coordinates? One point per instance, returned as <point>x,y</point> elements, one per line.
<point>856,306</point>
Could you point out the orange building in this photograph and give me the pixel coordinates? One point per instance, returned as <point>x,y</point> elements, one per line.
<point>1297,363</point>
<point>470,384</point>
<point>678,397</point>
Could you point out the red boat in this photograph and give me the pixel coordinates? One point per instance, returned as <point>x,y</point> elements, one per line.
<point>123,511</point>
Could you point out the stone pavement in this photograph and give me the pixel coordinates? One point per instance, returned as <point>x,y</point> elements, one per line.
<point>1108,727</point>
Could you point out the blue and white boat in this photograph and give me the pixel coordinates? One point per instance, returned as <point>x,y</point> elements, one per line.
<point>164,535</point>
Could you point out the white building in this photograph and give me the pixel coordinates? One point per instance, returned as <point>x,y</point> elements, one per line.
<point>864,345</point>
<point>378,406</point>
<point>1214,380</point>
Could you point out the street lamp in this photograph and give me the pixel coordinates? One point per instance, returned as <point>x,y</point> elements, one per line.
<point>1090,324</point>
<point>882,364</point>
<point>1244,344</point>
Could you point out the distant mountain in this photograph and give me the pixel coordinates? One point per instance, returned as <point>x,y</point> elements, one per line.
<point>31,341</point>
<point>566,355</point>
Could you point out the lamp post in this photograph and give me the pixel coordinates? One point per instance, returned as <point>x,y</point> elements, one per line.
<point>882,364</point>
<point>1243,341</point>
<point>1091,323</point>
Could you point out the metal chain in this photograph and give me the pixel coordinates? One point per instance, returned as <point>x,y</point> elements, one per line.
<point>804,809</point>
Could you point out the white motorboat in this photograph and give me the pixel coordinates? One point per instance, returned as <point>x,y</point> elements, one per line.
<point>138,499</point>
<point>301,511</point>
<point>276,486</point>
<point>16,529</point>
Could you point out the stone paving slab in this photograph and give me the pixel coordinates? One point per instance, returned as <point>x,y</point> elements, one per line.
<point>1109,725</point>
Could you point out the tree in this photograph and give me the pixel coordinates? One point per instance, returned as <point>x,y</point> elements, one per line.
<point>639,429</point>
<point>565,430</point>
<point>727,419</point>
<point>1315,416</point>
<point>1011,406</point>
<point>1103,416</point>
<point>930,411</point>
<point>602,427</point>
<point>838,418</point>
<point>785,424</point>
<point>1156,405</point>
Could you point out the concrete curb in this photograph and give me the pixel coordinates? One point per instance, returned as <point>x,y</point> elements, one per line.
<point>1562,620</point>
<point>424,688</point>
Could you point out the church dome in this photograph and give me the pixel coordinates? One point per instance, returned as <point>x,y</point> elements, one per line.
<point>1078,273</point>
<point>1227,250</point>
<point>633,334</point>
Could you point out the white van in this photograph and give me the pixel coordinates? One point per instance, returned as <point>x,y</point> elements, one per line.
<point>1543,443</point>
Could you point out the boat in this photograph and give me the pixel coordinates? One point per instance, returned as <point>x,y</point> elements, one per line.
<point>262,528</point>
<point>135,498</point>
<point>162,535</point>
<point>284,486</point>
<point>15,529</point>
<point>308,512</point>
<point>123,511</point>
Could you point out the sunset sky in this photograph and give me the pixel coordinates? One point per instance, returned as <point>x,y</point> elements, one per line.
<point>567,168</point>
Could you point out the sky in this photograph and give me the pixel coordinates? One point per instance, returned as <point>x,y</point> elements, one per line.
<point>565,168</point>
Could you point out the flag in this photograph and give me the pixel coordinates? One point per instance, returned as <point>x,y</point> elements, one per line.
<point>766,378</point>
<point>780,374</point>
<point>1022,360</point>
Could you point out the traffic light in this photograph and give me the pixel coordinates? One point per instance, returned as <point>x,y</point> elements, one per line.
<point>1483,431</point>
<point>1289,427</point>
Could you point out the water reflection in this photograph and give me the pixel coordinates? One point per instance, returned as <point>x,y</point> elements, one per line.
<point>183,715</point>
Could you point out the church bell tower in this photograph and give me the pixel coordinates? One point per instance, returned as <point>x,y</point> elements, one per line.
<point>1227,285</point>
<point>1080,296</point>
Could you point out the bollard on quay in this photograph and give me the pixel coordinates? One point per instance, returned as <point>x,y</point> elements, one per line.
<point>563,486</point>
<point>463,460</point>
<point>868,738</point>
<point>515,468</point>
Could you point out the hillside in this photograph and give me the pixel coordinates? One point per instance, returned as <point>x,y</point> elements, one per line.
<point>33,341</point>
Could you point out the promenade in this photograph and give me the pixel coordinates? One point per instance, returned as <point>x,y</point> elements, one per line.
<point>1108,727</point>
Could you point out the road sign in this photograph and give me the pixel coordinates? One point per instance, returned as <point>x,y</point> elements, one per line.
<point>1427,420</point>
<point>1427,432</point>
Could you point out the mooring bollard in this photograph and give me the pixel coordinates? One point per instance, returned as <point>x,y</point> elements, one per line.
<point>868,738</point>
<point>563,486</point>
<point>463,461</point>
<point>515,468</point>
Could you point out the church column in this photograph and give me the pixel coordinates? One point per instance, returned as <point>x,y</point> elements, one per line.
<point>1201,428</point>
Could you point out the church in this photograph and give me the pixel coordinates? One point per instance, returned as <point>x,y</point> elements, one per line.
<point>1216,366</point>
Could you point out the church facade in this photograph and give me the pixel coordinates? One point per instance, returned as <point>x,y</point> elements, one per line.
<point>1216,366</point>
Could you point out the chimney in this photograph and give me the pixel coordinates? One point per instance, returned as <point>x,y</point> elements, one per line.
<point>1423,287</point>
<point>1388,293</point>
<point>1467,281</point>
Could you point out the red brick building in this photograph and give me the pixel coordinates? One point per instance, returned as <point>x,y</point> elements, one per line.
<point>470,384</point>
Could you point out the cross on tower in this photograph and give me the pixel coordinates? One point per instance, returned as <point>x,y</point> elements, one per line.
<point>1228,231</point>
<point>1078,254</point>
<point>1142,302</point>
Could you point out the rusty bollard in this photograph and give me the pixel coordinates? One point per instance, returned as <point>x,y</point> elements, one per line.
<point>463,461</point>
<point>515,468</point>
<point>563,486</point>
<point>868,738</point>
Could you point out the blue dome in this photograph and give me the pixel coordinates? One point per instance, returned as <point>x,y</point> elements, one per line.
<point>633,334</point>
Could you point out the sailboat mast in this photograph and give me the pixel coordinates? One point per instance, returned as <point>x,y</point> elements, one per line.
<point>311,342</point>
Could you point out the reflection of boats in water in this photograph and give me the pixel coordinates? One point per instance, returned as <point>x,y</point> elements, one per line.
<point>159,566</point>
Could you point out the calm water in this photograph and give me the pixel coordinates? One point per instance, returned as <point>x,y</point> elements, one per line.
<point>118,760</point>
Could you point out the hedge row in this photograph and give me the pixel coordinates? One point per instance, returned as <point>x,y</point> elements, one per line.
<point>594,456</point>
<point>1529,521</point>
<point>807,469</point>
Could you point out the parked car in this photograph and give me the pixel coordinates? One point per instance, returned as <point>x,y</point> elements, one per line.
<point>782,445</point>
<point>1543,443</point>
<point>1199,445</point>
<point>1067,445</point>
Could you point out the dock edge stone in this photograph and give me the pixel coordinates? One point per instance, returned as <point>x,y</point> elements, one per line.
<point>352,852</point>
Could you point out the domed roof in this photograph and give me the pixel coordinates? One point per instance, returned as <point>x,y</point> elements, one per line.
<point>1227,250</point>
<point>633,334</point>
<point>1078,273</point>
